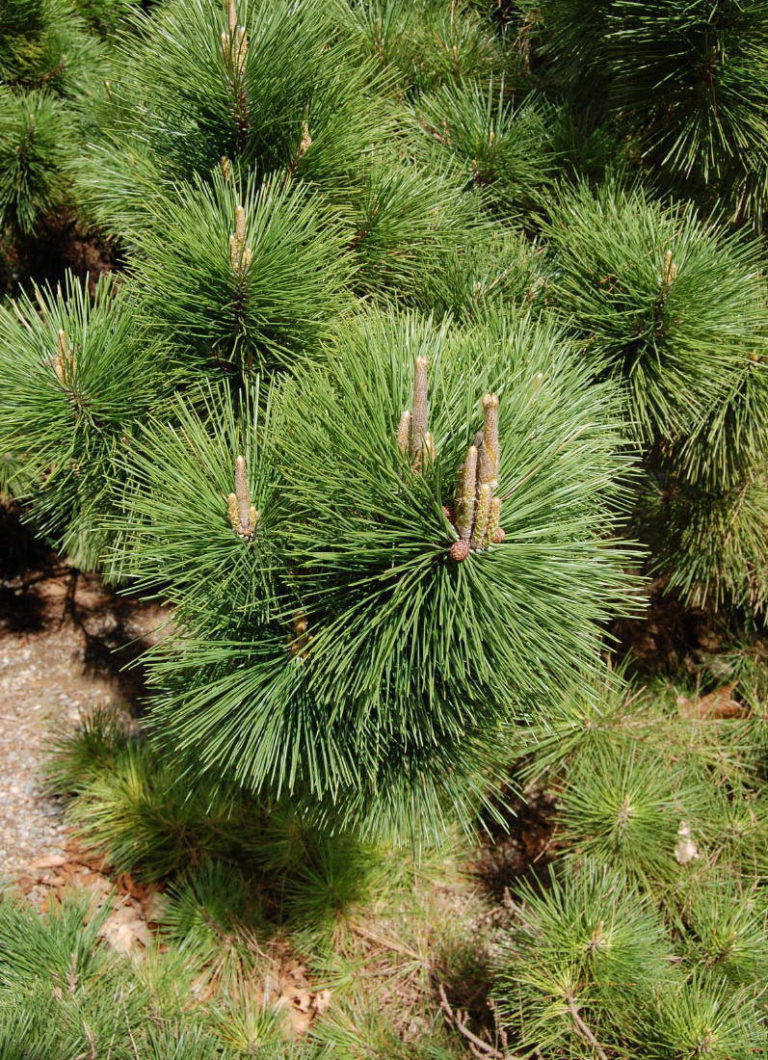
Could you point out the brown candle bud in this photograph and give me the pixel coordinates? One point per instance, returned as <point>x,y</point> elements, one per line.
<point>429,445</point>
<point>243,496</point>
<point>241,49</point>
<point>420,413</point>
<point>232,512</point>
<point>482,515</point>
<point>489,454</point>
<point>306,140</point>
<point>668,269</point>
<point>239,253</point>
<point>493,521</point>
<point>465,495</point>
<point>299,642</point>
<point>304,145</point>
<point>240,224</point>
<point>234,48</point>
<point>232,15</point>
<point>404,432</point>
<point>63,361</point>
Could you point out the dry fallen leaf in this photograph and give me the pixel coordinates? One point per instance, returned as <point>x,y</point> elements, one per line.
<point>294,994</point>
<point>125,930</point>
<point>717,704</point>
<point>299,1022</point>
<point>322,1000</point>
<point>302,1000</point>
<point>53,861</point>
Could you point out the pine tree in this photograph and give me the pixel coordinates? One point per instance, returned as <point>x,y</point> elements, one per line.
<point>106,17</point>
<point>45,44</point>
<point>52,62</point>
<point>422,44</point>
<point>405,222</point>
<point>646,936</point>
<point>346,516</point>
<point>583,952</point>
<point>265,86</point>
<point>505,149</point>
<point>263,178</point>
<point>676,310</point>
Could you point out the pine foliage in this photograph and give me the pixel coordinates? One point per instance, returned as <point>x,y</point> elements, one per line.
<point>685,82</point>
<point>251,274</point>
<point>422,44</point>
<point>676,311</point>
<point>44,43</point>
<point>35,131</point>
<point>68,364</point>
<point>673,308</point>
<point>582,948</point>
<point>269,87</point>
<point>504,148</point>
<point>492,270</point>
<point>63,992</point>
<point>52,63</point>
<point>106,17</point>
<point>405,222</point>
<point>693,81</point>
<point>647,935</point>
<point>711,543</point>
<point>589,957</point>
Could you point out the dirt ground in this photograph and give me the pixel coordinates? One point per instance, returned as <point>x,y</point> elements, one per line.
<point>64,644</point>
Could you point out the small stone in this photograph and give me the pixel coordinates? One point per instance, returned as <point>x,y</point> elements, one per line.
<point>685,848</point>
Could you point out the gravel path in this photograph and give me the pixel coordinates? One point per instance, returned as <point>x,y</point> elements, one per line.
<point>58,633</point>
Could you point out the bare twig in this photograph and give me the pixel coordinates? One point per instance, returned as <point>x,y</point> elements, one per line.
<point>476,1045</point>
<point>582,1027</point>
<point>385,943</point>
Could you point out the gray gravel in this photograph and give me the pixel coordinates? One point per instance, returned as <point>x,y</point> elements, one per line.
<point>45,687</point>
<point>31,825</point>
